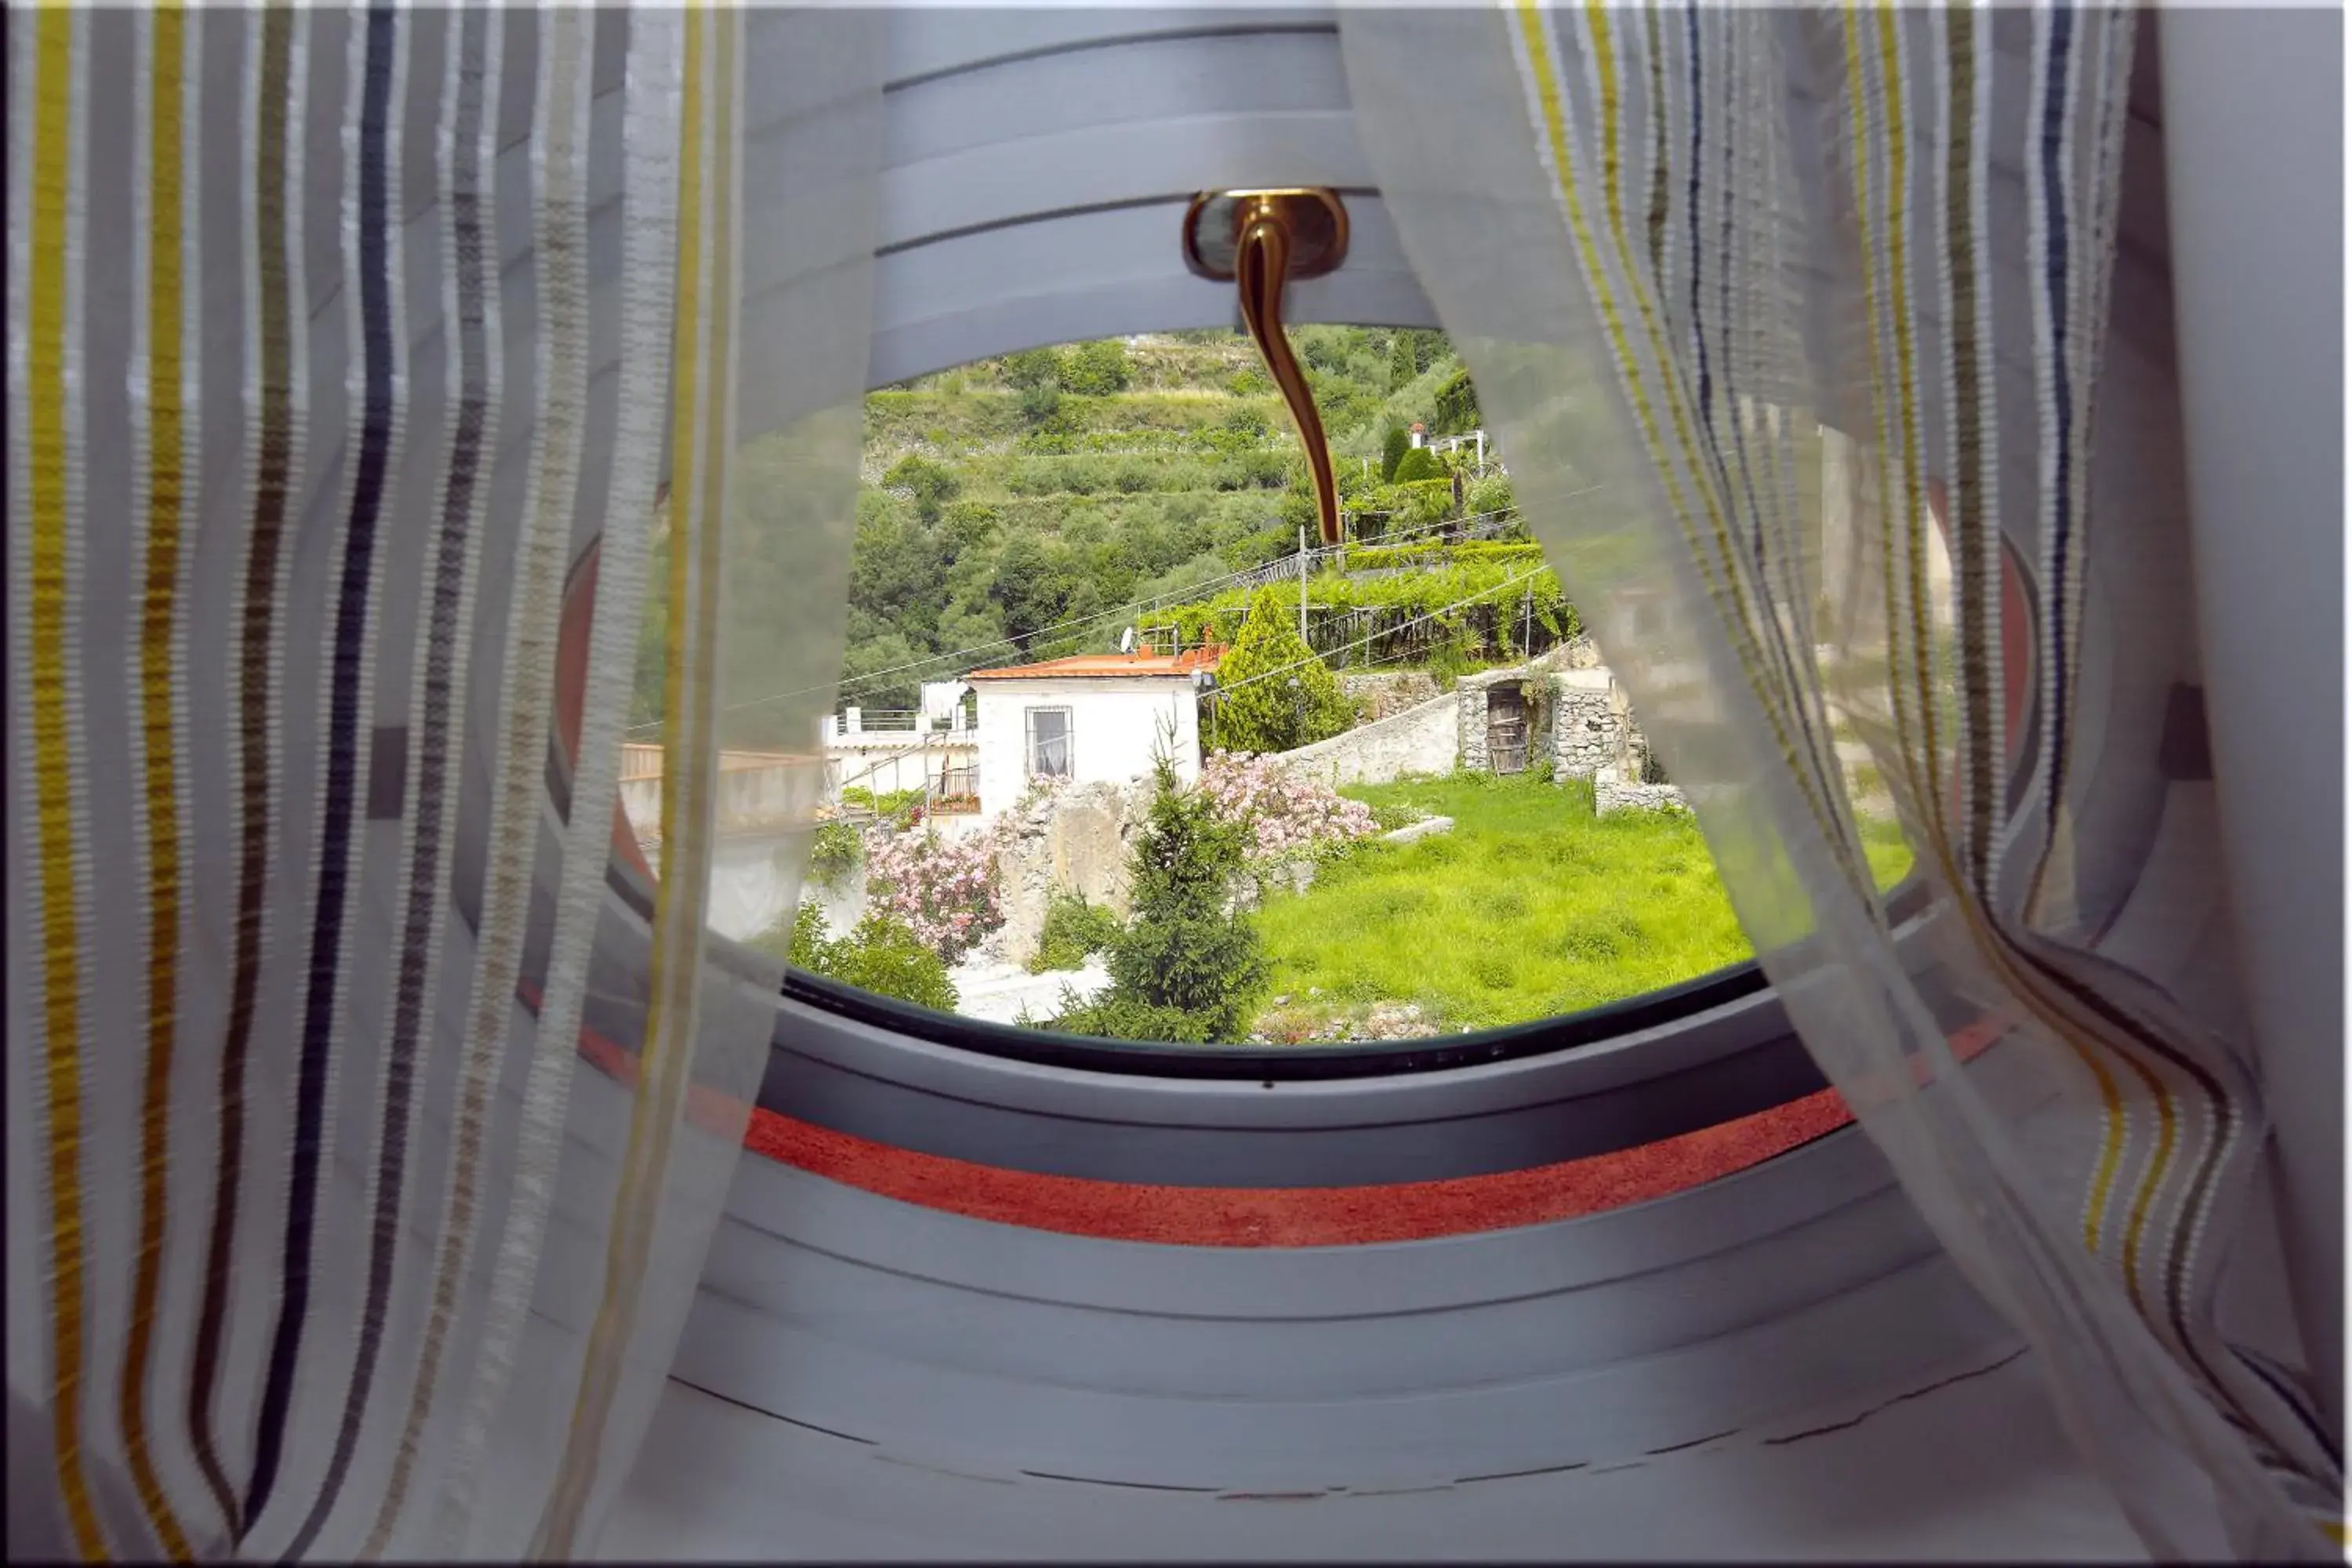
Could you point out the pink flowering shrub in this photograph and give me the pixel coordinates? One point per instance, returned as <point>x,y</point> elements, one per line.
<point>945,889</point>
<point>1282,816</point>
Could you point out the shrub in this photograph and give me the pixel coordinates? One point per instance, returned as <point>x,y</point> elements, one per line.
<point>1394,442</point>
<point>1275,694</point>
<point>1112,1018</point>
<point>1095,370</point>
<point>885,956</point>
<point>1418,463</point>
<point>801,945</point>
<point>1073,931</point>
<point>880,955</point>
<point>1281,815</point>
<point>945,890</point>
<point>1033,367</point>
<point>1490,494</point>
<point>931,485</point>
<point>838,849</point>
<point>1040,403</point>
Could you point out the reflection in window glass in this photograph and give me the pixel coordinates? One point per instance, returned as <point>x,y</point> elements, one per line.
<point>1375,792</point>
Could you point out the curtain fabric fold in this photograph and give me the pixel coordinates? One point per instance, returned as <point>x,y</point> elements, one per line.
<point>1834,386</point>
<point>393,393</point>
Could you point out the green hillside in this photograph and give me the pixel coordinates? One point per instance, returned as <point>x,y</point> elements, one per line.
<point>1019,507</point>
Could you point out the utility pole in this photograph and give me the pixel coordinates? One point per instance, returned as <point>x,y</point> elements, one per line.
<point>1302,587</point>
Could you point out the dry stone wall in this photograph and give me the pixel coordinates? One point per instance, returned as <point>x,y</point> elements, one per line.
<point>1588,724</point>
<point>1470,728</point>
<point>1611,792</point>
<point>1421,739</point>
<point>1385,694</point>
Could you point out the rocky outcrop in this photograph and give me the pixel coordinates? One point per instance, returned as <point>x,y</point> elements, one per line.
<point>1079,840</point>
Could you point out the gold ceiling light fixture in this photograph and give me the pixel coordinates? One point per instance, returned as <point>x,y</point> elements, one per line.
<point>1260,240</point>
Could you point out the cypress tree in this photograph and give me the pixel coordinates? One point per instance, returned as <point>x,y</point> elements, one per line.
<point>1274,694</point>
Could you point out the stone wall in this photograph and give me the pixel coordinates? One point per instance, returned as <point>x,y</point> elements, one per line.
<point>1421,739</point>
<point>1385,694</point>
<point>1588,723</point>
<point>1579,718</point>
<point>1470,727</point>
<point>1611,793</point>
<point>1579,652</point>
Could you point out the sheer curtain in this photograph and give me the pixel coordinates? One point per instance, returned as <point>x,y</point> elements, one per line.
<point>406,406</point>
<point>1833,380</point>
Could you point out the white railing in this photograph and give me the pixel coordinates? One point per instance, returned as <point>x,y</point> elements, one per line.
<point>905,725</point>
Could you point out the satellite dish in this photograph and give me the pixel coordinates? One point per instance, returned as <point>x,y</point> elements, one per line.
<point>1127,640</point>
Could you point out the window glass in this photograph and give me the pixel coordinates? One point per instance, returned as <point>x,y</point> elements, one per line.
<point>1376,791</point>
<point>1049,742</point>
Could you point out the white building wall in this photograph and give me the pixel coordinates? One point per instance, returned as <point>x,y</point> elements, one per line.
<point>884,765</point>
<point>1115,724</point>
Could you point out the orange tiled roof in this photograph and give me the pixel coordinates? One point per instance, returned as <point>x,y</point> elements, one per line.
<point>1105,666</point>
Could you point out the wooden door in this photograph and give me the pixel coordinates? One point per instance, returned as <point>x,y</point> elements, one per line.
<point>1506,729</point>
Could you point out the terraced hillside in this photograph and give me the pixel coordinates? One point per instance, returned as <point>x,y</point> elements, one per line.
<point>1023,507</point>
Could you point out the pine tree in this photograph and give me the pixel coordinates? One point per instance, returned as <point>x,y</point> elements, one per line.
<point>1187,968</point>
<point>1394,444</point>
<point>1274,694</point>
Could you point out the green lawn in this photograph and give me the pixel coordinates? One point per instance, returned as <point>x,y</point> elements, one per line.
<point>1530,907</point>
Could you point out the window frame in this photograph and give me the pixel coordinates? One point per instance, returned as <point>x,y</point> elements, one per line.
<point>1068,737</point>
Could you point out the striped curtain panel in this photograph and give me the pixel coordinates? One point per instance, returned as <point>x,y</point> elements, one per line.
<point>1831,351</point>
<point>369,1104</point>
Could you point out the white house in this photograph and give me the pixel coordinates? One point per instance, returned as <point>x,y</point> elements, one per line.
<point>1095,717</point>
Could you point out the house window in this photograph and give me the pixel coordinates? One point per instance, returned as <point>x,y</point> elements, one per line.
<point>1049,742</point>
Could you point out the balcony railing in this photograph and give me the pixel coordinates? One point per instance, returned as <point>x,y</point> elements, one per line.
<point>894,723</point>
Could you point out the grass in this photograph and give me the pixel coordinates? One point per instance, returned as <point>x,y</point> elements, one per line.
<point>1530,907</point>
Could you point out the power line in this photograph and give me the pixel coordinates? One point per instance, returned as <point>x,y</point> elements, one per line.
<point>872,676</point>
<point>1153,601</point>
